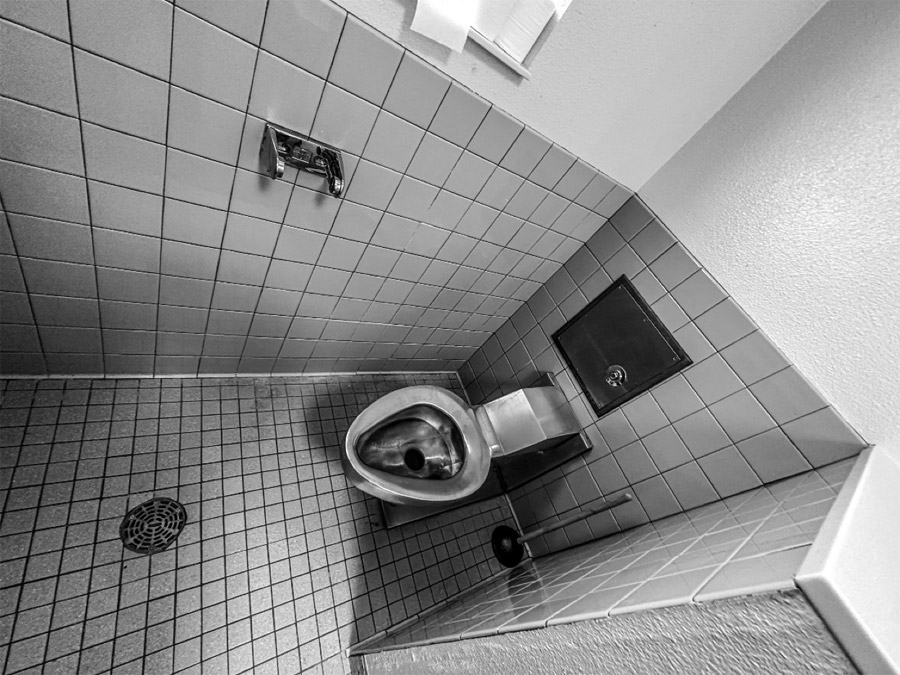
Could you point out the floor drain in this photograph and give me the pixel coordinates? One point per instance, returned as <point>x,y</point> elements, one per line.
<point>152,526</point>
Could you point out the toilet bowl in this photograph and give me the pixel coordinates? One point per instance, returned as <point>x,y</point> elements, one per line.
<point>424,445</point>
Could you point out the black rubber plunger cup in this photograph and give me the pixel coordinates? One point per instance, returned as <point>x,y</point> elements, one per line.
<point>507,549</point>
<point>508,544</point>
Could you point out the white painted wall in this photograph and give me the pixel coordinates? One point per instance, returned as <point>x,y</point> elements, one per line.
<point>621,83</point>
<point>790,196</point>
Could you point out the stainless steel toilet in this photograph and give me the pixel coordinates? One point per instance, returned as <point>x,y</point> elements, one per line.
<point>425,445</point>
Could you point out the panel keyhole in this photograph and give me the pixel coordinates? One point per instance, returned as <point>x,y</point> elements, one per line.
<point>615,376</point>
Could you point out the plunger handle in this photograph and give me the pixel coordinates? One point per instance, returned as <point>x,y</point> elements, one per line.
<point>574,518</point>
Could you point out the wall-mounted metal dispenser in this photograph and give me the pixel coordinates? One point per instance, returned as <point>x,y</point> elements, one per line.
<point>281,146</point>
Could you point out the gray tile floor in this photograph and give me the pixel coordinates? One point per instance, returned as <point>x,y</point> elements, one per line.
<point>281,565</point>
<point>752,542</point>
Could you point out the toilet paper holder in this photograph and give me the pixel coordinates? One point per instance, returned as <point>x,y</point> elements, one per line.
<point>281,146</point>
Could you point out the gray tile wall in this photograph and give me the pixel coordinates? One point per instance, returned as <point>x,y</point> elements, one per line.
<point>740,416</point>
<point>137,235</point>
<point>281,565</point>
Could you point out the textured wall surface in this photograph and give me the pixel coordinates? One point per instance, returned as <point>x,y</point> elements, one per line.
<point>139,236</point>
<point>790,196</point>
<point>777,633</point>
<point>740,416</point>
<point>622,84</point>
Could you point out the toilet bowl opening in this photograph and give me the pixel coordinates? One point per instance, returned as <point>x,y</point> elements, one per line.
<point>414,459</point>
<point>418,442</point>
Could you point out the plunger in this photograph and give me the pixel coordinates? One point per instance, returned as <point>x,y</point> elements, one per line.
<point>507,543</point>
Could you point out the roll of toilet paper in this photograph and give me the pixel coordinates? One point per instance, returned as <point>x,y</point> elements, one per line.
<point>524,24</point>
<point>445,22</point>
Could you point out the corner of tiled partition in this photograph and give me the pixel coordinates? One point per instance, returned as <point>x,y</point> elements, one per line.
<point>741,415</point>
<point>751,543</point>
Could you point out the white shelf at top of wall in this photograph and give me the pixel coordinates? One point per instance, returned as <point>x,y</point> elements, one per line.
<point>514,30</point>
<point>495,50</point>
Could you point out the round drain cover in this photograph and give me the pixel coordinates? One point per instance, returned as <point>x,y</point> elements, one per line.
<point>152,526</point>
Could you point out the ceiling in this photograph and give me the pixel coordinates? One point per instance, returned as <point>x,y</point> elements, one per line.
<point>623,84</point>
<point>139,236</point>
